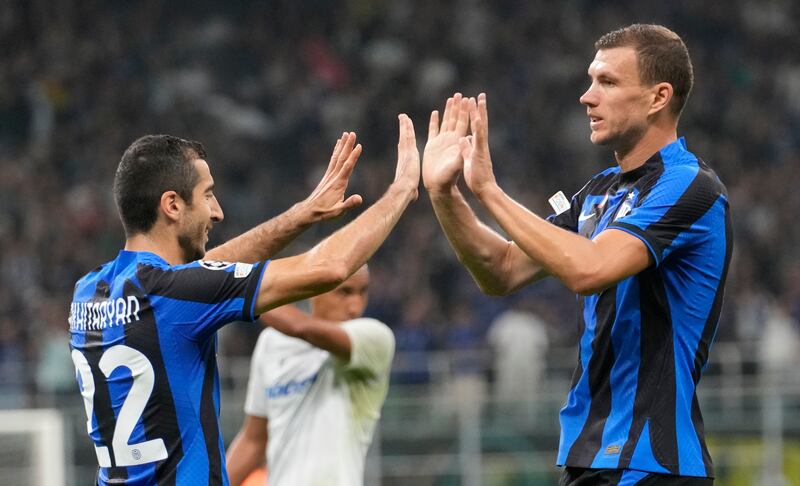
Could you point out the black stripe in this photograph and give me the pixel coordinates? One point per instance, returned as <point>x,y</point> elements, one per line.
<point>656,387</point>
<point>576,375</point>
<point>195,284</point>
<point>649,180</point>
<point>699,427</point>
<point>208,415</point>
<point>590,439</point>
<point>159,418</point>
<point>103,411</point>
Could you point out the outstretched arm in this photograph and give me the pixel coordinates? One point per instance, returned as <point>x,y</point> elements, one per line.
<point>337,257</point>
<point>585,266</point>
<point>321,333</point>
<point>325,202</point>
<point>497,265</point>
<point>248,449</point>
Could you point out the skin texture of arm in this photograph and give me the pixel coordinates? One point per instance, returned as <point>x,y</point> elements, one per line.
<point>325,202</point>
<point>585,266</point>
<point>497,265</point>
<point>337,257</point>
<point>318,332</point>
<point>248,449</point>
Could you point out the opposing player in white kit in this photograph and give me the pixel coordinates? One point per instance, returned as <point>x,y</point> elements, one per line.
<point>317,384</point>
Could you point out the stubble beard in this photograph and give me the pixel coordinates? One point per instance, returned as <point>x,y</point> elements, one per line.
<point>192,243</point>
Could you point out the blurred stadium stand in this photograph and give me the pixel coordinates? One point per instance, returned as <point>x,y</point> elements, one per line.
<point>268,86</point>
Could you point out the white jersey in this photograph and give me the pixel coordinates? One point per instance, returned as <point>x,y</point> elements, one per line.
<point>321,410</point>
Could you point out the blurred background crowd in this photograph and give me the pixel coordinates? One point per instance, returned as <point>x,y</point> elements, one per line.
<point>268,87</point>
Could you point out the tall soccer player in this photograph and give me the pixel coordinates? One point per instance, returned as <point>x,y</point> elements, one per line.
<point>143,326</point>
<point>646,243</point>
<point>317,384</point>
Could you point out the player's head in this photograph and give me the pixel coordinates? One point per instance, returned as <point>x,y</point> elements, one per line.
<point>345,302</point>
<point>641,73</point>
<point>163,179</point>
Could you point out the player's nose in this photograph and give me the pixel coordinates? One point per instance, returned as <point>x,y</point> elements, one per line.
<point>589,97</point>
<point>216,212</point>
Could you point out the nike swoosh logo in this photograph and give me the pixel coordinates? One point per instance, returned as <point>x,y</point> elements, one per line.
<point>584,217</point>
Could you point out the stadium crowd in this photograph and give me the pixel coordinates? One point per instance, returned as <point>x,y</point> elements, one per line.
<point>267,87</point>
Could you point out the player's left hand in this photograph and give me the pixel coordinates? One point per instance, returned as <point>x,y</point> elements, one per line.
<point>478,172</point>
<point>327,200</point>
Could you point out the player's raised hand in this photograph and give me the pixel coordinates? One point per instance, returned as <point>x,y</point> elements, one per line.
<point>408,166</point>
<point>442,162</point>
<point>478,172</point>
<point>327,201</point>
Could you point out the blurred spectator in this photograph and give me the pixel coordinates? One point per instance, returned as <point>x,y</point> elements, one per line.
<point>267,86</point>
<point>519,343</point>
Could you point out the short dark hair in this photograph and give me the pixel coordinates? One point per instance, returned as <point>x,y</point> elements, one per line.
<point>151,166</point>
<point>661,56</point>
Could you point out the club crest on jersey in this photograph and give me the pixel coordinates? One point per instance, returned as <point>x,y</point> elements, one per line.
<point>625,207</point>
<point>214,265</point>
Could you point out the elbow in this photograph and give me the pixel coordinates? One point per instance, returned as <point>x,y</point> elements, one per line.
<point>333,275</point>
<point>585,280</point>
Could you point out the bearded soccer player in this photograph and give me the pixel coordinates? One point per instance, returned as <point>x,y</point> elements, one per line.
<point>143,326</point>
<point>317,384</point>
<point>646,244</point>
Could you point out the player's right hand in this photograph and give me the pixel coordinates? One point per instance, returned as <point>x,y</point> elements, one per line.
<point>442,162</point>
<point>408,166</point>
<point>327,200</point>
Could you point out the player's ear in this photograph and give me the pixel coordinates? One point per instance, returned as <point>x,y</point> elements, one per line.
<point>171,205</point>
<point>661,95</point>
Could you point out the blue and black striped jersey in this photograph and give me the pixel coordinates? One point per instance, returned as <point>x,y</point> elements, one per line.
<point>143,339</point>
<point>645,341</point>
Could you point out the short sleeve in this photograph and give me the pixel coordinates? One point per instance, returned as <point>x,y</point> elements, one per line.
<point>670,213</point>
<point>203,296</point>
<point>372,345</point>
<point>255,402</point>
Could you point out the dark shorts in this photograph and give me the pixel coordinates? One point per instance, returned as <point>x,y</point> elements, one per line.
<point>576,476</point>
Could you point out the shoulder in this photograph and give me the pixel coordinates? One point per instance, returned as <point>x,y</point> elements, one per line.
<point>368,325</point>
<point>368,333</point>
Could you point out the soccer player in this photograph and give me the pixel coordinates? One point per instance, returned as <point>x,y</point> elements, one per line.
<point>143,326</point>
<point>646,244</point>
<point>317,383</point>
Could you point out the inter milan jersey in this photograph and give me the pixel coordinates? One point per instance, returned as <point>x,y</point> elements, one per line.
<point>143,339</point>
<point>645,341</point>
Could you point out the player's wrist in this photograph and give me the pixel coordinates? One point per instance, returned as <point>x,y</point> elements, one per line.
<point>487,191</point>
<point>403,189</point>
<point>442,191</point>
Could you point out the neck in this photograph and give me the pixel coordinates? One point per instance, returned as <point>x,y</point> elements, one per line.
<point>157,242</point>
<point>654,139</point>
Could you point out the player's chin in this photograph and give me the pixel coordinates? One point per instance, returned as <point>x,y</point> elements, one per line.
<point>599,138</point>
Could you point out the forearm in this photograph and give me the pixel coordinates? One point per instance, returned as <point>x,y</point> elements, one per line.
<point>333,260</point>
<point>486,254</point>
<point>353,245</point>
<point>267,239</point>
<point>244,456</point>
<point>567,256</point>
<point>321,333</point>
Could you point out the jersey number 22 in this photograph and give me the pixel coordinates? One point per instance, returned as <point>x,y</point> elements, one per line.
<point>125,454</point>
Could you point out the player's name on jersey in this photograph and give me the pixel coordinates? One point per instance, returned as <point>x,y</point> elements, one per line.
<point>103,314</point>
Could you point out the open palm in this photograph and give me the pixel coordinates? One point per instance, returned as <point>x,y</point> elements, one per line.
<point>442,162</point>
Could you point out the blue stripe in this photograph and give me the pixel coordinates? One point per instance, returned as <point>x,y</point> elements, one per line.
<point>630,477</point>
<point>626,341</point>
<point>574,413</point>
<point>690,310</point>
<point>643,454</point>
